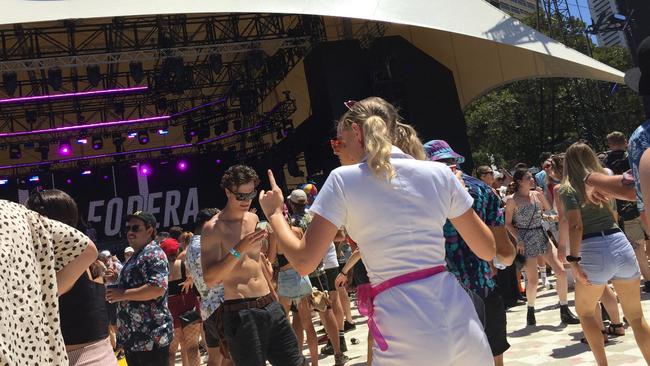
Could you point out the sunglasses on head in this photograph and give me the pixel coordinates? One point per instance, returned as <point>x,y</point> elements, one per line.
<point>132,228</point>
<point>349,104</point>
<point>244,196</point>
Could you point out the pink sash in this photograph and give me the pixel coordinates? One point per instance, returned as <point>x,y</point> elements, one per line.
<point>366,294</point>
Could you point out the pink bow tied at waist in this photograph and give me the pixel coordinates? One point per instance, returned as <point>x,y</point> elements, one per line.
<point>366,294</point>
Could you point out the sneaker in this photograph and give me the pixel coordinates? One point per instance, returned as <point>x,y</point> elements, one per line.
<point>344,345</point>
<point>567,316</point>
<point>327,350</point>
<point>347,326</point>
<point>340,359</point>
<point>530,316</point>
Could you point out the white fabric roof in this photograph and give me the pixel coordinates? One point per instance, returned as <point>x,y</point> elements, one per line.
<point>484,47</point>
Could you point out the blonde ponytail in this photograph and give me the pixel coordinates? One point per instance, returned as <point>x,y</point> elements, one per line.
<point>377,145</point>
<point>406,138</point>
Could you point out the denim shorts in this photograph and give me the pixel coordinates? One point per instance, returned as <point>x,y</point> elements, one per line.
<point>293,286</point>
<point>608,257</point>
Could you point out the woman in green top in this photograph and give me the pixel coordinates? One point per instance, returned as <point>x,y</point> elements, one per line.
<point>599,252</point>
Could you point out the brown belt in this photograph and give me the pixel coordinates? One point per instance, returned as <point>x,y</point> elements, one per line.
<point>257,303</point>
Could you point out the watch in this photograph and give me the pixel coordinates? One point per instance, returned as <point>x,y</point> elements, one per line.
<point>570,258</point>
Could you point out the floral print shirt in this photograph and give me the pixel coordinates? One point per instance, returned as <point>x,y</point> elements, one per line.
<point>639,141</point>
<point>211,297</point>
<point>144,325</point>
<point>472,271</point>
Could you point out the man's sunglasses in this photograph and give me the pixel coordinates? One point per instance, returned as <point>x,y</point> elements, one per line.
<point>134,228</point>
<point>245,196</point>
<point>490,173</point>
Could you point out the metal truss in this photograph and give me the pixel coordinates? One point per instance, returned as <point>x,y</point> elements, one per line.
<point>231,143</point>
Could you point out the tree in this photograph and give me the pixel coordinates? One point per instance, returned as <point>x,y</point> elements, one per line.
<point>517,122</point>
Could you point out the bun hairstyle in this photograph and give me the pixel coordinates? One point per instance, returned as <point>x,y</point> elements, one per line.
<point>518,176</point>
<point>382,128</point>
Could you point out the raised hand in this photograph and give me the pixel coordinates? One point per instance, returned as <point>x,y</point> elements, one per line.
<point>272,200</point>
<point>249,240</point>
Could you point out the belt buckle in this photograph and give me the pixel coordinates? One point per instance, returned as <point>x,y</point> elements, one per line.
<point>258,302</point>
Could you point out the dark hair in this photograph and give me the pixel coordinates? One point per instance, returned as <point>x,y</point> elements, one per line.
<point>521,166</point>
<point>175,232</point>
<point>54,204</point>
<point>204,216</point>
<point>518,176</point>
<point>238,175</point>
<point>544,156</point>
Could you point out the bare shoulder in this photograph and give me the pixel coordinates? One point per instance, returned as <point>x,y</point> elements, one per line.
<point>251,217</point>
<point>211,229</point>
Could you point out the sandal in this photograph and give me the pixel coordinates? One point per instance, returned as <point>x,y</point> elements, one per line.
<point>605,338</point>
<point>612,329</point>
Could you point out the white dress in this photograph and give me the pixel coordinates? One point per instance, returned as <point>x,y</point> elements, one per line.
<point>399,229</point>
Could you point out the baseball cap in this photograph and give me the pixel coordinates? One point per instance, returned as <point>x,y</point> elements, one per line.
<point>148,218</point>
<point>298,196</point>
<point>439,149</point>
<point>104,254</point>
<point>170,247</point>
<point>128,250</point>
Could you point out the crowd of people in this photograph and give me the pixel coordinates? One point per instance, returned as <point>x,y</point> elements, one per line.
<point>435,256</point>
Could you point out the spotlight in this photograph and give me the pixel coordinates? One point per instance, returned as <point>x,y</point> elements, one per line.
<point>137,73</point>
<point>55,78</point>
<point>10,82</point>
<point>65,148</point>
<point>82,141</point>
<point>143,137</point>
<point>93,74</point>
<point>182,165</point>
<point>144,169</point>
<point>34,178</point>
<point>118,141</point>
<point>68,181</point>
<point>163,131</point>
<point>14,152</point>
<point>3,181</point>
<point>86,172</point>
<point>98,142</point>
<point>132,135</point>
<point>218,161</point>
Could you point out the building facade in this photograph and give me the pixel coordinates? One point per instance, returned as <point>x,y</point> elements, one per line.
<point>606,8</point>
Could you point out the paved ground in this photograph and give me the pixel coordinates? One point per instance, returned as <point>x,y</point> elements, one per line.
<point>549,343</point>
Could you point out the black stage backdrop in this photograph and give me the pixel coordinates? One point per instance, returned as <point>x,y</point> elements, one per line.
<point>110,193</point>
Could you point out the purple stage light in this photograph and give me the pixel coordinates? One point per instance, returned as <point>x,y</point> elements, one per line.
<point>144,169</point>
<point>69,181</point>
<point>182,165</point>
<point>93,93</point>
<point>3,182</point>
<point>88,126</point>
<point>82,141</point>
<point>34,178</point>
<point>163,131</point>
<point>86,172</point>
<point>106,177</point>
<point>132,135</point>
<point>65,148</point>
<point>218,161</point>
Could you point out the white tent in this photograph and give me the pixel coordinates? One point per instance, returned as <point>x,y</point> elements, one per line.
<point>483,46</point>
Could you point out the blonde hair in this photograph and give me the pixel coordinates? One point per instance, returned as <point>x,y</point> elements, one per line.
<point>185,239</point>
<point>579,160</point>
<point>382,128</point>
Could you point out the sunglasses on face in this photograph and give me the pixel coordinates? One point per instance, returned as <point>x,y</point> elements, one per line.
<point>132,228</point>
<point>488,173</point>
<point>336,145</point>
<point>245,196</point>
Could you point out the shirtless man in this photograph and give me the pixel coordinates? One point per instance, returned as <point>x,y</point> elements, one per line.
<point>231,255</point>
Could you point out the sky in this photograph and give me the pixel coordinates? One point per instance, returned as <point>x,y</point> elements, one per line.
<point>580,9</point>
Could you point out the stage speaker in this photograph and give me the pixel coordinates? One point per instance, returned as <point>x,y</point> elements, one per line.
<point>422,88</point>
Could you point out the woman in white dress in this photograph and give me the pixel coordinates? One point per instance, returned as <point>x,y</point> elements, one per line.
<point>395,207</point>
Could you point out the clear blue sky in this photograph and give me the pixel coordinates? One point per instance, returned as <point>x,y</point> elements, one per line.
<point>580,9</point>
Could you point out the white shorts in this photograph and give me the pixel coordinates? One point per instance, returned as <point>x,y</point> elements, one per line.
<point>431,321</point>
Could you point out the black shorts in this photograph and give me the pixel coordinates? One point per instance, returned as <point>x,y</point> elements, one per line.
<point>257,335</point>
<point>326,281</point>
<point>495,323</point>
<point>360,274</point>
<point>211,331</point>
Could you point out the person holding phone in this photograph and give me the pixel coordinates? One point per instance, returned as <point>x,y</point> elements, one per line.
<point>254,325</point>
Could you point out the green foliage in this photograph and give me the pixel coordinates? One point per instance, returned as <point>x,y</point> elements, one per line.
<point>519,121</point>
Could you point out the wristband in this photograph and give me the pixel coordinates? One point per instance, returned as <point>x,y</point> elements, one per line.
<point>572,259</point>
<point>235,253</point>
<point>343,273</point>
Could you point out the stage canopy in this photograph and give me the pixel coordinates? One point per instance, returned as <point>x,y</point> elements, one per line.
<point>483,46</point>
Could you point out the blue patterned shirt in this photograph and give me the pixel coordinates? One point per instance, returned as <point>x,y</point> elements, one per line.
<point>144,325</point>
<point>639,141</point>
<point>470,270</point>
